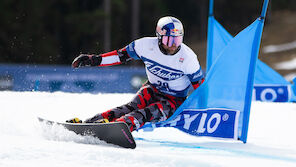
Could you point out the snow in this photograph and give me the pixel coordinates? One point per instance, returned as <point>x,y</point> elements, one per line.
<point>25,142</point>
<point>280,47</point>
<point>287,65</point>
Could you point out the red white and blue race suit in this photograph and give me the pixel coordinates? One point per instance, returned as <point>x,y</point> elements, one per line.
<point>169,79</point>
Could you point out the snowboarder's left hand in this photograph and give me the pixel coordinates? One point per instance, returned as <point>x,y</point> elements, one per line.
<point>86,60</point>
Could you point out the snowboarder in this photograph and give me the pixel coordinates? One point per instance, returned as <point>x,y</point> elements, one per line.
<point>171,67</point>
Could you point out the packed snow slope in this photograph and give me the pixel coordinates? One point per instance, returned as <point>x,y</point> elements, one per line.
<point>25,142</point>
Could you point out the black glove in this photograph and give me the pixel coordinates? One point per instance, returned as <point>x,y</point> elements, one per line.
<point>86,60</point>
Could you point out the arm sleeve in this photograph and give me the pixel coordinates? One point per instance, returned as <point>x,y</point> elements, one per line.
<point>196,76</point>
<point>194,72</point>
<point>131,51</point>
<point>119,56</point>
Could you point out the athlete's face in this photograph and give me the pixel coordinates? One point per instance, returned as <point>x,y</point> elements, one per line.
<point>170,50</point>
<point>171,43</point>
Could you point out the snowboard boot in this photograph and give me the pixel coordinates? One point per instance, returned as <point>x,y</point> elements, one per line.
<point>74,120</point>
<point>102,121</point>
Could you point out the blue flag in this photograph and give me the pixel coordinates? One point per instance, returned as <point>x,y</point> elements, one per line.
<point>271,86</point>
<point>218,38</point>
<point>268,85</point>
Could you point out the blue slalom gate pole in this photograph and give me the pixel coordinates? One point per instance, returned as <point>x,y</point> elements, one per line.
<point>211,8</point>
<point>264,8</point>
<point>255,52</point>
<point>210,35</point>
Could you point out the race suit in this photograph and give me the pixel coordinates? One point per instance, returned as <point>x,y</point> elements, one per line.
<point>169,79</point>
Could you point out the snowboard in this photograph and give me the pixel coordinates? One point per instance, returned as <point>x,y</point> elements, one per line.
<point>116,133</point>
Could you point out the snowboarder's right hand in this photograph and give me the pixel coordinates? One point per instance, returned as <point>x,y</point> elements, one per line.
<point>86,60</point>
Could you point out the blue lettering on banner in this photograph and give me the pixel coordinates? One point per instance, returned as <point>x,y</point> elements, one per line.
<point>163,72</point>
<point>222,123</point>
<point>271,93</point>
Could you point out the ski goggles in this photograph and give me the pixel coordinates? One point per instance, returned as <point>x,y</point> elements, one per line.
<point>170,40</point>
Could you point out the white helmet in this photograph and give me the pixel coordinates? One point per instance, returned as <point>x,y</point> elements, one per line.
<point>169,31</point>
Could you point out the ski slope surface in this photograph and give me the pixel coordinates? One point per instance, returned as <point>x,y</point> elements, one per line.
<point>25,142</point>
